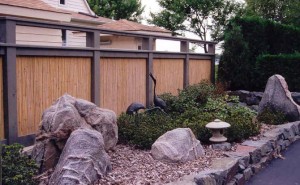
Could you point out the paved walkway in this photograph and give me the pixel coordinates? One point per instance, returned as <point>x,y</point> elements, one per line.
<point>279,171</point>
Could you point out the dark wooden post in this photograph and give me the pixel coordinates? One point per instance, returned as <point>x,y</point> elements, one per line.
<point>8,35</point>
<point>184,47</point>
<point>93,40</point>
<point>211,50</point>
<point>148,45</point>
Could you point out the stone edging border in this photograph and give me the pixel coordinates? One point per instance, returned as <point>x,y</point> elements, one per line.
<point>249,158</point>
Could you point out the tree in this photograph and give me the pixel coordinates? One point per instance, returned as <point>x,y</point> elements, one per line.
<point>118,9</point>
<point>282,11</point>
<point>198,17</point>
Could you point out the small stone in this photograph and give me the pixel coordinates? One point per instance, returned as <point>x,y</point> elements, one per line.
<point>240,179</point>
<point>264,145</point>
<point>228,165</point>
<point>222,146</point>
<point>256,168</point>
<point>248,173</point>
<point>204,180</point>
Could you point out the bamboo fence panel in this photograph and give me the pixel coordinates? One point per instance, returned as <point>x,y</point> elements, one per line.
<point>199,70</point>
<point>1,102</point>
<point>123,81</point>
<point>41,80</point>
<point>169,75</point>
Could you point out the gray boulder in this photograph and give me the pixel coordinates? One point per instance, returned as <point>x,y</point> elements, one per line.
<point>178,145</point>
<point>83,160</point>
<point>58,122</point>
<point>278,97</point>
<point>102,120</point>
<point>66,115</point>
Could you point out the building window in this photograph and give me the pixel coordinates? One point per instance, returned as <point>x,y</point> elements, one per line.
<point>64,37</point>
<point>62,2</point>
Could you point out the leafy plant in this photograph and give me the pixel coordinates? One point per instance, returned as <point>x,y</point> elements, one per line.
<point>17,168</point>
<point>194,107</point>
<point>272,116</point>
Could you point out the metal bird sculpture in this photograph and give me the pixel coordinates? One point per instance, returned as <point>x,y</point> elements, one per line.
<point>158,102</point>
<point>134,108</point>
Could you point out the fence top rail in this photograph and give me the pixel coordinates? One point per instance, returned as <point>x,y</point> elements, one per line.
<point>65,48</point>
<point>69,26</point>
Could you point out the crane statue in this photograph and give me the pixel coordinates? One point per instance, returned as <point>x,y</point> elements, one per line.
<point>160,104</point>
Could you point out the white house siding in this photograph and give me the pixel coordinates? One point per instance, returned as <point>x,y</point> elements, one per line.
<point>38,36</point>
<point>121,42</point>
<point>76,39</point>
<point>72,5</point>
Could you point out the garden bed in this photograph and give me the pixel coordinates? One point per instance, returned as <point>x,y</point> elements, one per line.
<point>134,166</point>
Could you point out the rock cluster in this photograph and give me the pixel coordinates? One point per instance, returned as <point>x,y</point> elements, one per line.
<point>248,159</point>
<point>252,99</point>
<point>73,134</point>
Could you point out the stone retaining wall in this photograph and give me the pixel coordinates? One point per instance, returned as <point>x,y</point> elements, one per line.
<point>248,159</point>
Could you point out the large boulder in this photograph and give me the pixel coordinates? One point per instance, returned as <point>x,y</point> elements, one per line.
<point>178,145</point>
<point>83,159</point>
<point>102,120</point>
<point>278,97</point>
<point>66,115</point>
<point>58,122</point>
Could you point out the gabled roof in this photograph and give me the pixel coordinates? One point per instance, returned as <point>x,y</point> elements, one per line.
<point>92,18</point>
<point>40,5</point>
<point>31,4</point>
<point>125,25</point>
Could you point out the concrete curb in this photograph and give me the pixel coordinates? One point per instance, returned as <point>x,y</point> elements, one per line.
<point>249,158</point>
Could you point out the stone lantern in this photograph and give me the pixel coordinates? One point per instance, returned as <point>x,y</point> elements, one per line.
<point>217,127</point>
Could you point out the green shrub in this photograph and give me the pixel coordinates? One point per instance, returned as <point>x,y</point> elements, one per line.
<point>17,168</point>
<point>272,116</point>
<point>247,38</point>
<point>143,129</point>
<point>287,65</point>
<point>194,107</point>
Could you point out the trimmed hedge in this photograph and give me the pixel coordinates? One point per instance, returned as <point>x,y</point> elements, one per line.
<point>284,64</point>
<point>247,38</point>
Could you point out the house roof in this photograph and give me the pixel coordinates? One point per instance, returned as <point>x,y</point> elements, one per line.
<point>40,5</point>
<point>125,25</point>
<point>83,16</point>
<point>31,4</point>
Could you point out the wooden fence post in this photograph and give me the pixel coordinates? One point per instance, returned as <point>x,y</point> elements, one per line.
<point>93,40</point>
<point>8,35</point>
<point>148,45</point>
<point>184,47</point>
<point>211,50</point>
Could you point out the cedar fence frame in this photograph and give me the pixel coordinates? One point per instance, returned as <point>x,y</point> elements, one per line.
<point>9,51</point>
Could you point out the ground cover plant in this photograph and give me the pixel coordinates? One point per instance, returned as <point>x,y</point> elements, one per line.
<point>17,168</point>
<point>194,107</point>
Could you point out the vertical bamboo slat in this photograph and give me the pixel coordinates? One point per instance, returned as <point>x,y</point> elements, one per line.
<point>169,75</point>
<point>123,81</point>
<point>41,80</point>
<point>199,70</point>
<point>1,102</point>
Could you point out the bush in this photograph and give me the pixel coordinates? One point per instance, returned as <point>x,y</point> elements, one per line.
<point>287,65</point>
<point>247,38</point>
<point>272,116</point>
<point>194,107</point>
<point>143,129</point>
<point>17,168</point>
